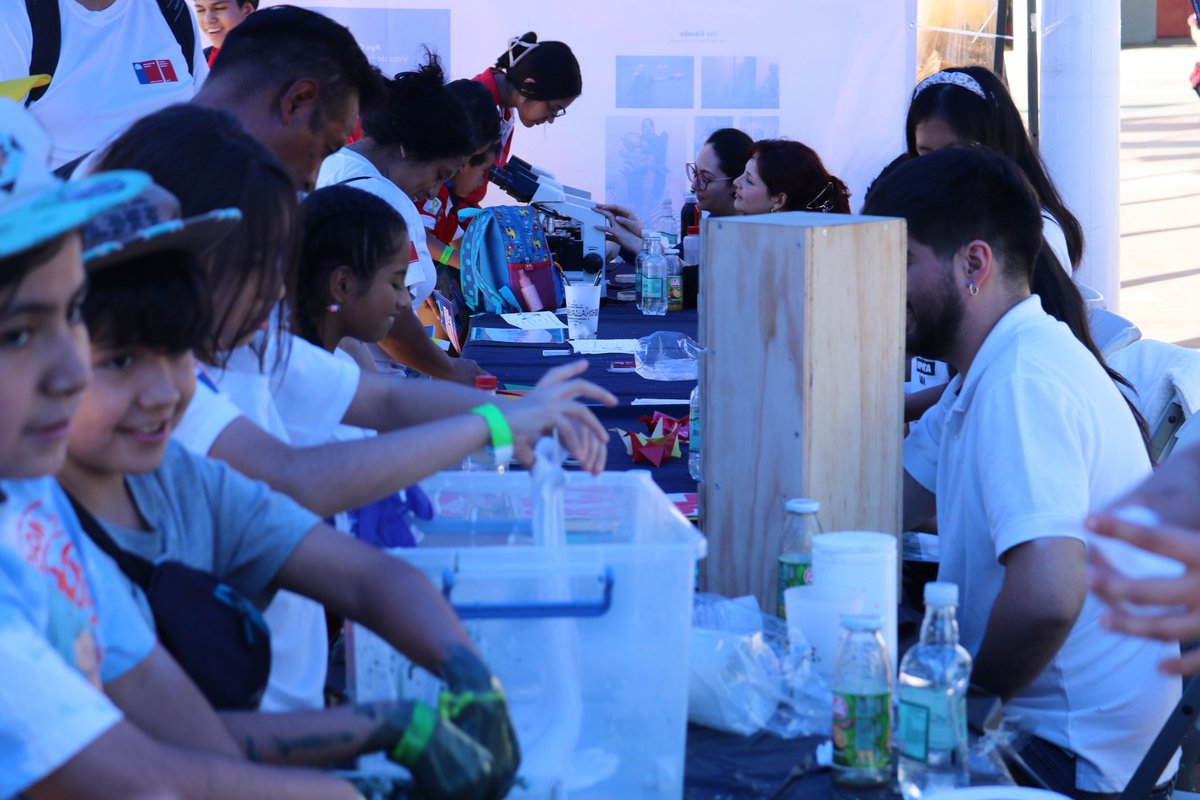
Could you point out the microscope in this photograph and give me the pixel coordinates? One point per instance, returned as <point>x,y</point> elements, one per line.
<point>568,214</point>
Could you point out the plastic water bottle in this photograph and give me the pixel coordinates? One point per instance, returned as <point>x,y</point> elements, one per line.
<point>862,704</point>
<point>931,729</point>
<point>694,434</point>
<point>795,556</point>
<point>641,259</point>
<point>654,279</point>
<point>674,280</point>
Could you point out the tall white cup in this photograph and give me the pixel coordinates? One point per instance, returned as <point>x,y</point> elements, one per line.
<point>583,309</point>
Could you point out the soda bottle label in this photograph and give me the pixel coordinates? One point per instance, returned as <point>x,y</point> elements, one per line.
<point>862,730</point>
<point>926,722</point>
<point>794,569</point>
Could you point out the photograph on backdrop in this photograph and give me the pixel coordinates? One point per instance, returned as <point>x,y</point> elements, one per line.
<point>644,158</point>
<point>655,81</point>
<point>759,128</point>
<point>739,82</point>
<point>393,38</point>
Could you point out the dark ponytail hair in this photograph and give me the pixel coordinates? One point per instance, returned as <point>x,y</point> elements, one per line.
<point>994,122</point>
<point>419,113</point>
<point>551,69</point>
<point>343,227</point>
<point>484,118</point>
<point>796,169</point>
<point>732,148</point>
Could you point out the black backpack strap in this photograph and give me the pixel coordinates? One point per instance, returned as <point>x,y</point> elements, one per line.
<point>138,570</point>
<point>179,17</point>
<point>46,24</point>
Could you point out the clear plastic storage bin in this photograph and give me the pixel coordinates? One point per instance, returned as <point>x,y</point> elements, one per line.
<point>591,639</point>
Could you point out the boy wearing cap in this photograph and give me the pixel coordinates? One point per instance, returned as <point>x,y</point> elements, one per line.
<point>146,310</point>
<point>67,624</point>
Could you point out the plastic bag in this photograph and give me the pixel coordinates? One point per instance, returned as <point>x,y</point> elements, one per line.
<point>745,677</point>
<point>667,356</point>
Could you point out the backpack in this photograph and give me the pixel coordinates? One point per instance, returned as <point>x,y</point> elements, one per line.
<point>506,262</point>
<point>46,23</point>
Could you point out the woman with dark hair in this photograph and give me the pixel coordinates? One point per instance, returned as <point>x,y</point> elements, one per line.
<point>405,159</point>
<point>533,82</point>
<point>970,105</point>
<point>720,161</point>
<point>718,164</point>
<point>782,175</point>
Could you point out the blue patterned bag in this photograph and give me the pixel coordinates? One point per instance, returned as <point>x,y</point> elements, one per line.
<point>506,262</point>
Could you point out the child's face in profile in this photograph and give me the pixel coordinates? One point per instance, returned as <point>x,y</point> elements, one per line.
<point>43,364</point>
<point>369,315</point>
<point>136,398</point>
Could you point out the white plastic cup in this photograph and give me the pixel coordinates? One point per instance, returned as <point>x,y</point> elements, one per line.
<point>865,562</point>
<point>815,613</point>
<point>583,309</point>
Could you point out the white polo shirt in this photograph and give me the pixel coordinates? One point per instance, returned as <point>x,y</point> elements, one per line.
<point>116,66</point>
<point>1022,446</point>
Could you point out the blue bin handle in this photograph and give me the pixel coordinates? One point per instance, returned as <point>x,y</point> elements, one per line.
<point>531,610</point>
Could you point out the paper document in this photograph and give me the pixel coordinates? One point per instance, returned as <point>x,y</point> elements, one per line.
<point>516,336</point>
<point>660,401</point>
<point>533,320</point>
<point>591,347</point>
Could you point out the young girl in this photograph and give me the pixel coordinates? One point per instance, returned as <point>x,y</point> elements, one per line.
<point>532,81</point>
<point>353,259</point>
<point>146,310</point>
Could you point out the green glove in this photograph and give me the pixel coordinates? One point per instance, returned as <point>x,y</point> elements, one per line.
<point>475,703</point>
<point>445,763</point>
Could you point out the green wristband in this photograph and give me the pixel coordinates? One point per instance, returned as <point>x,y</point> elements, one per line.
<point>502,439</point>
<point>416,736</point>
<point>451,705</point>
<point>444,258</point>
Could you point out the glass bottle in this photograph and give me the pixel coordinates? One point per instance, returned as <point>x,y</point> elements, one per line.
<point>862,704</point>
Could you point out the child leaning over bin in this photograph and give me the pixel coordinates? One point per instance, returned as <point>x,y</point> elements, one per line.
<point>146,310</point>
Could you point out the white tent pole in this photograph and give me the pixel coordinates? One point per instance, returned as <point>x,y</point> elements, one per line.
<point>1080,115</point>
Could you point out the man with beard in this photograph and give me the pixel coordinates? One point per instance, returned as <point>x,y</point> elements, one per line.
<point>1029,436</point>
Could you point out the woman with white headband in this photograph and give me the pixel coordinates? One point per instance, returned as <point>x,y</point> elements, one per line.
<point>970,105</point>
<point>533,82</point>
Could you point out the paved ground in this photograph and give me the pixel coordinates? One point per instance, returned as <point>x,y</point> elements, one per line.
<point>1160,193</point>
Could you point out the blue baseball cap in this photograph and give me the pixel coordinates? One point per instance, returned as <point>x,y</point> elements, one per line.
<point>35,205</point>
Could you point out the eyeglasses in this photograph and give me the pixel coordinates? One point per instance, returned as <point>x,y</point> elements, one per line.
<point>556,112</point>
<point>699,179</point>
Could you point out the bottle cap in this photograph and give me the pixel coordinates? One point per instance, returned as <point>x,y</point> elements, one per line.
<point>486,383</point>
<point>862,622</point>
<point>941,593</point>
<point>802,505</point>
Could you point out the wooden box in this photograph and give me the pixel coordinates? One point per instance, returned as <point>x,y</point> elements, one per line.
<point>803,317</point>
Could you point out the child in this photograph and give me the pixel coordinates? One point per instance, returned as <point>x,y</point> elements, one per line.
<point>67,623</point>
<point>146,310</point>
<point>349,287</point>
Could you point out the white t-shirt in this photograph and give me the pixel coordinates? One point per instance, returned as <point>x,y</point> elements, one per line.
<point>1023,446</point>
<point>68,623</point>
<point>345,164</point>
<point>300,400</point>
<point>115,67</point>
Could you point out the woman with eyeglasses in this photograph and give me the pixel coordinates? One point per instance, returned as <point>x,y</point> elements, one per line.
<point>783,175</point>
<point>533,82</point>
<point>720,161</point>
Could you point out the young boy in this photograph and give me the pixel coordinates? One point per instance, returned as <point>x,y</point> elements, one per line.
<point>146,309</point>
